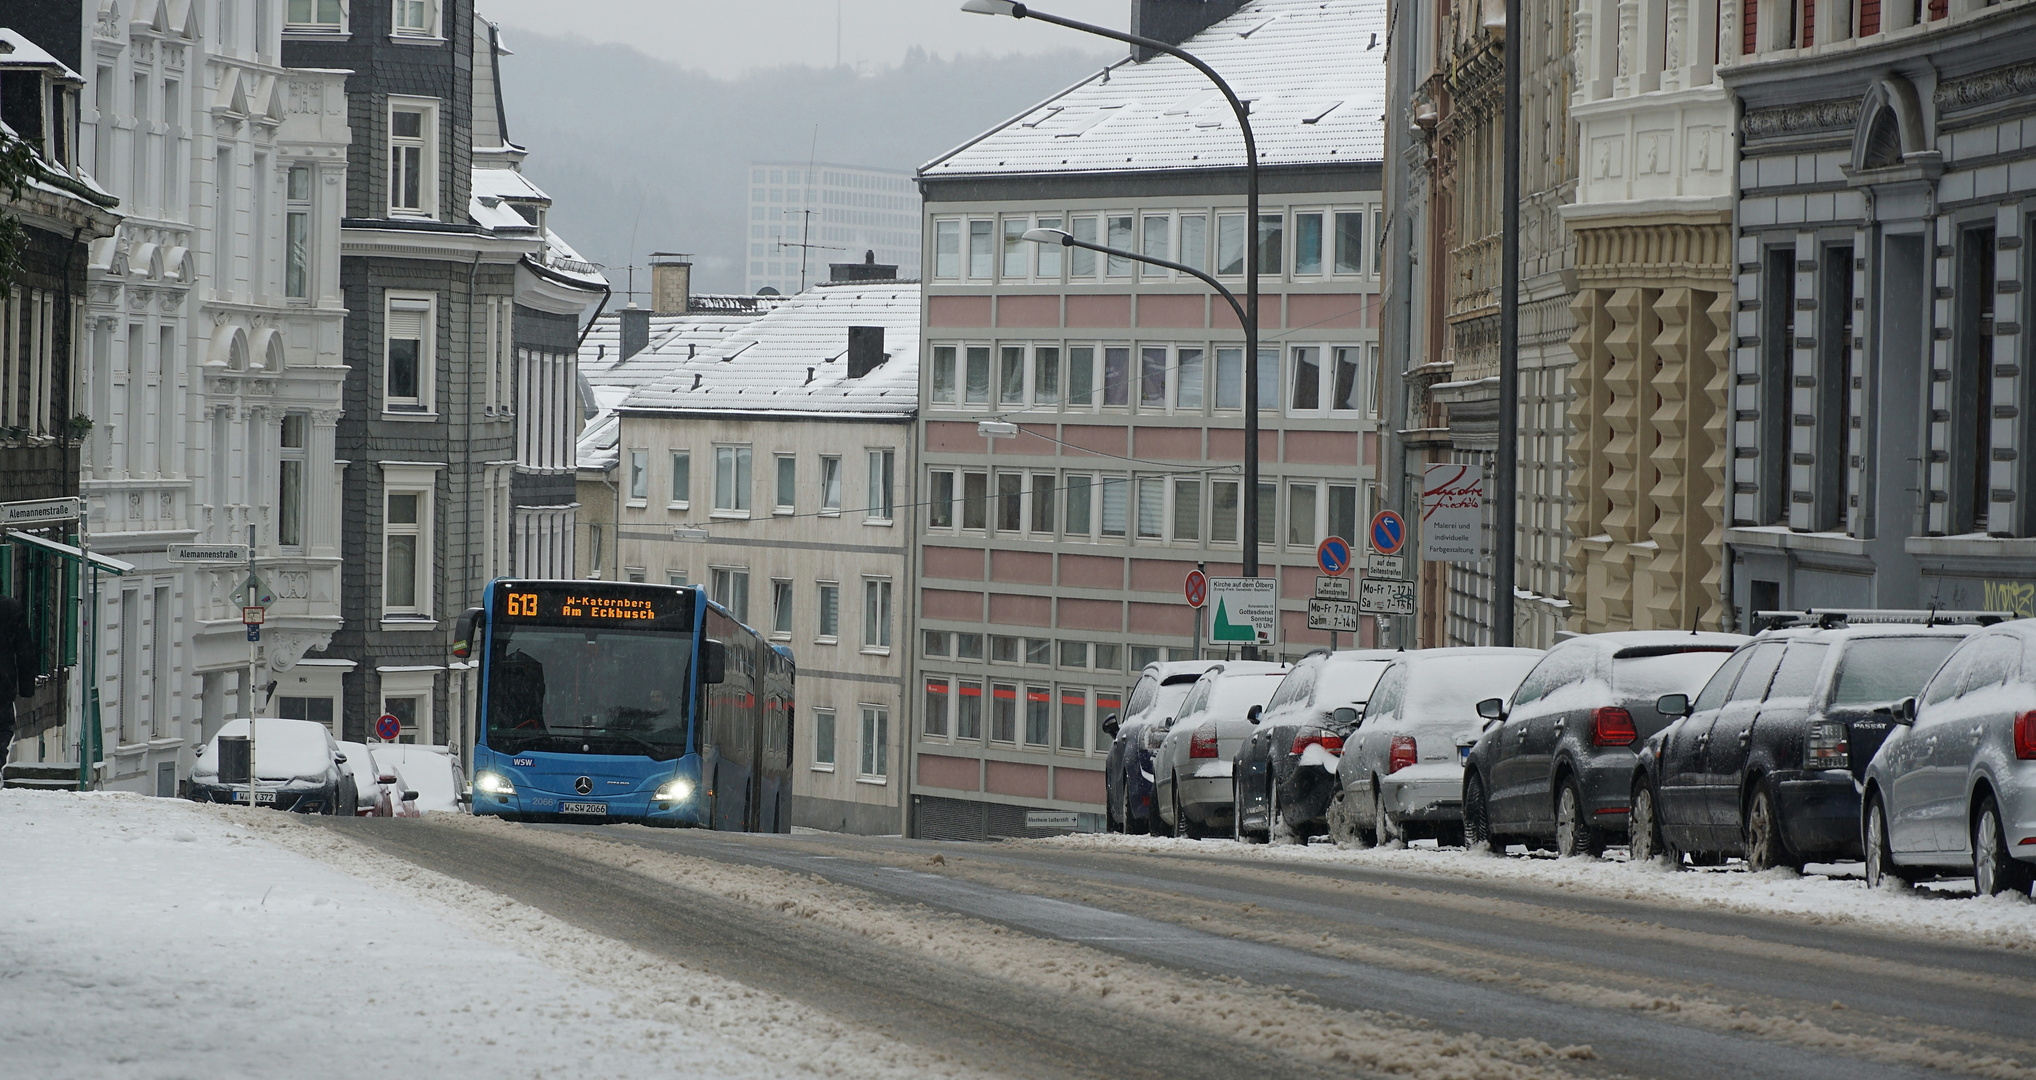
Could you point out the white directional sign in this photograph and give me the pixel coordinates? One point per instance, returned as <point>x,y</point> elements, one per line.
<point>1386,566</point>
<point>1052,819</point>
<point>1332,588</point>
<point>41,511</point>
<point>1244,611</point>
<point>1338,616</point>
<point>208,553</point>
<point>1380,596</point>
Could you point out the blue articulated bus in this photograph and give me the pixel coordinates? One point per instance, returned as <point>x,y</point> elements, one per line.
<point>621,701</point>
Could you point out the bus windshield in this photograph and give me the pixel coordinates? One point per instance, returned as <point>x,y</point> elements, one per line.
<point>580,690</point>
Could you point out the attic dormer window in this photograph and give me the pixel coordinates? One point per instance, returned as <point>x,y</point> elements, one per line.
<point>416,18</point>
<point>315,15</point>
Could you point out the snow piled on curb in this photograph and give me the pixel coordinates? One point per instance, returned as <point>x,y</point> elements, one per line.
<point>1826,895</point>
<point>154,938</point>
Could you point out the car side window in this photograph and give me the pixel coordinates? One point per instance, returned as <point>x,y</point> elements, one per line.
<point>1142,695</point>
<point>1298,686</point>
<point>1713,694</point>
<point>1945,684</point>
<point>1996,660</point>
<point>1386,699</point>
<point>1197,698</point>
<point>1797,676</point>
<point>1760,669</point>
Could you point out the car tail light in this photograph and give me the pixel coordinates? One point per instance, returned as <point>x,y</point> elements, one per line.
<point>1203,742</point>
<point>1306,739</point>
<point>1403,753</point>
<point>1612,726</point>
<point>1826,747</point>
<point>2025,737</point>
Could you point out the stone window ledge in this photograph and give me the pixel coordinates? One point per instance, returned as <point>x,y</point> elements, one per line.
<point>1972,545</point>
<point>1779,538</point>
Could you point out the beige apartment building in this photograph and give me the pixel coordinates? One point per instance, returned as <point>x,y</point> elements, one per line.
<point>1053,559</point>
<point>783,455</point>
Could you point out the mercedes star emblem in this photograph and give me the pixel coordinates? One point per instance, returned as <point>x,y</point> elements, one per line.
<point>584,785</point>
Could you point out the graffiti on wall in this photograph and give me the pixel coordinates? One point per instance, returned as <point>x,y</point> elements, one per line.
<point>2016,596</point>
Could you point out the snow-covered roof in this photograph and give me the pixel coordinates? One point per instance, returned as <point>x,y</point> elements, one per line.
<point>490,206</point>
<point>17,51</point>
<point>1312,71</point>
<point>710,321</point>
<point>600,441</point>
<point>794,361</point>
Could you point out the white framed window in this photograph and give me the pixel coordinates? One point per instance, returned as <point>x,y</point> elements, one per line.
<point>406,541</point>
<point>830,485</point>
<point>982,263</point>
<point>975,501</point>
<point>1303,509</point>
<point>829,610</point>
<point>730,589</point>
<point>409,353</point>
<point>947,249</point>
<point>940,388</point>
<point>975,388</point>
<point>1004,713</point>
<point>781,608</point>
<point>1015,249</point>
<point>1072,705</point>
<point>639,477</point>
<point>297,233</point>
<point>407,696</point>
<point>1308,261</point>
<point>1272,255</point>
<point>823,740</point>
<point>939,701</point>
<point>1350,379</point>
<point>1230,245</point>
<point>1049,260</point>
<point>1186,514</point>
<point>875,766</point>
<point>1194,234</point>
<point>876,615</point>
<point>1038,716</point>
<point>1078,498</point>
<point>787,485</point>
<point>1343,512</point>
<point>940,499</point>
<point>1304,365</point>
<point>882,487</point>
<point>1225,512</point>
<point>1119,233</point>
<point>731,481</point>
<point>676,578</point>
<point>413,156</point>
<point>315,15</point>
<point>1151,492</point>
<point>1081,377</point>
<point>415,18</point>
<point>292,445</point>
<point>1116,376</point>
<point>1116,506</point>
<point>1082,262</point>
<point>1155,241</point>
<point>682,479</point>
<point>1229,393</point>
<point>968,710</point>
<point>1011,371</point>
<point>1349,242</point>
<point>637,574</point>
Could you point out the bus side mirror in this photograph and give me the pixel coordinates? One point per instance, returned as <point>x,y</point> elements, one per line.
<point>470,633</point>
<point>713,661</point>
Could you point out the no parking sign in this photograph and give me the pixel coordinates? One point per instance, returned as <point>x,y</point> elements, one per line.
<point>388,728</point>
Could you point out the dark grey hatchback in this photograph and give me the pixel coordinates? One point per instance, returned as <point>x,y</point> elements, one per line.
<point>1555,764</point>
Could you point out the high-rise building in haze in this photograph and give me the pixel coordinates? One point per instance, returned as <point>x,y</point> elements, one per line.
<point>854,210</point>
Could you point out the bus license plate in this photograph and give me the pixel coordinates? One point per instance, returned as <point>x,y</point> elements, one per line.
<point>260,797</point>
<point>595,808</point>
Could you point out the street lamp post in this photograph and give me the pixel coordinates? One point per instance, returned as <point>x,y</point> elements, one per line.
<point>1247,313</point>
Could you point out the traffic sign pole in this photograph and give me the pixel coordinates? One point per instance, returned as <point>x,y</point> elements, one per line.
<point>1196,589</point>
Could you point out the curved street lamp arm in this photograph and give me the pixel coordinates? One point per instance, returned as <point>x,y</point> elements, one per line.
<point>1068,240</point>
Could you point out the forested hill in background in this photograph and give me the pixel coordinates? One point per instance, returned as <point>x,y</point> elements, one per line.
<point>611,129</point>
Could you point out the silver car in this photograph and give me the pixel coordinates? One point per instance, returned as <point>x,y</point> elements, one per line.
<point>1401,775</point>
<point>1952,791</point>
<point>1192,793</point>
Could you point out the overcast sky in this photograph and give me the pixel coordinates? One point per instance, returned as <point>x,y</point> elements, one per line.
<point>726,38</point>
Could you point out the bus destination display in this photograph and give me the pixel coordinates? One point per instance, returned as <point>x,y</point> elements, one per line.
<point>583,605</point>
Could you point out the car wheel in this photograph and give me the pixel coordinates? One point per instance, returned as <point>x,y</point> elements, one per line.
<point>1277,831</point>
<point>1182,826</point>
<point>1765,848</point>
<point>1994,869</point>
<point>1880,857</point>
<point>1343,830</point>
<point>1477,815</point>
<point>1382,829</point>
<point>1573,832</point>
<point>1113,814</point>
<point>1643,827</point>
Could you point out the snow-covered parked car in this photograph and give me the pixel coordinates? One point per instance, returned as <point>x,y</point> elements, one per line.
<point>375,788</point>
<point>1285,773</point>
<point>434,775</point>
<point>1401,774</point>
<point>1192,792</point>
<point>297,767</point>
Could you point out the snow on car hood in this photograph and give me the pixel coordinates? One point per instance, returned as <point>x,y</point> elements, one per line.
<point>284,750</point>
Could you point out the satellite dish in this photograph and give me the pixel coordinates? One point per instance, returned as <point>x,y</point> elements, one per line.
<point>768,291</point>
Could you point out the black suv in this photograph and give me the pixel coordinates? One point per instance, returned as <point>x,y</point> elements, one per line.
<point>1555,764</point>
<point>1767,762</point>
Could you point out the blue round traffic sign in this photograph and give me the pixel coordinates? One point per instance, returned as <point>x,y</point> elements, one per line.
<point>388,728</point>
<point>1333,556</point>
<point>1388,532</point>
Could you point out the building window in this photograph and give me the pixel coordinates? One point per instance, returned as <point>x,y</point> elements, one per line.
<point>968,646</point>
<point>1343,516</point>
<point>1004,713</point>
<point>1347,391</point>
<point>937,697</point>
<point>731,590</point>
<point>1268,514</point>
<point>1014,248</point>
<point>788,481</point>
<point>1081,377</point>
<point>1271,237</point>
<point>1004,650</point>
<point>639,475</point>
<point>943,375</point>
<point>682,479</point>
<point>830,485</point>
<point>1152,368</point>
<point>1350,242</point>
<point>1972,384</point>
<point>1156,242</point>
<point>1011,502</point>
<point>975,501</point>
<point>1011,376</point>
<point>1187,515</point>
<point>404,552</point>
<point>947,249</point>
<point>1045,376</point>
<point>1074,719</point>
<point>1049,254</point>
<point>1038,715</point>
<point>1082,261</point>
<point>290,482</point>
<point>407,353</point>
<point>823,740</point>
<point>315,15</point>
<point>876,743</point>
<point>976,387</point>
<point>876,615</point>
<point>1151,508</point>
<point>936,643</point>
<point>1301,516</point>
<point>1307,243</point>
<point>731,480</point>
<point>675,578</point>
<point>968,709</point>
<point>297,232</point>
<point>1307,372</point>
<point>413,158</point>
<point>881,494</point>
<point>637,575</point>
<point>1120,229</point>
<point>982,249</point>
<point>405,710</point>
<point>1833,389</point>
<point>417,17</point>
<point>318,710</point>
<point>1777,377</point>
<point>1116,505</point>
<point>1117,377</point>
<point>781,608</point>
<point>940,500</point>
<point>830,613</point>
<point>1230,244</point>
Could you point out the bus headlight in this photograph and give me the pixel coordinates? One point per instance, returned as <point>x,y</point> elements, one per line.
<point>490,783</point>
<point>675,791</point>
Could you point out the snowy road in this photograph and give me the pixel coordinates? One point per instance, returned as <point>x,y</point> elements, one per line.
<point>1134,958</point>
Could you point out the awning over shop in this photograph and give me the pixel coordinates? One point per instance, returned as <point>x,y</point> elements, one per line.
<point>110,565</point>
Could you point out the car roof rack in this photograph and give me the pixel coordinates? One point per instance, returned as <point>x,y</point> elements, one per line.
<point>1830,618</point>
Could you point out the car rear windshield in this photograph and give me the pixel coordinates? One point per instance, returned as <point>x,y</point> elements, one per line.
<point>1649,677</point>
<point>1449,688</point>
<point>1234,695</point>
<point>1876,670</point>
<point>1346,683</point>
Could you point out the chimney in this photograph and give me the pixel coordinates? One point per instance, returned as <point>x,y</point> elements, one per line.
<point>865,350</point>
<point>671,283</point>
<point>869,269</point>
<point>1175,21</point>
<point>635,330</point>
